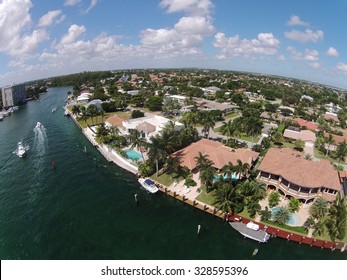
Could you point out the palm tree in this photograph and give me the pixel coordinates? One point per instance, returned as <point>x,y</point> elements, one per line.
<point>282,216</point>
<point>75,109</point>
<point>329,140</point>
<point>265,214</point>
<point>319,226</point>
<point>274,199</point>
<point>156,151</point>
<point>226,199</point>
<point>242,168</point>
<point>294,205</point>
<point>253,126</point>
<point>309,223</point>
<point>202,160</point>
<point>277,137</point>
<point>341,151</point>
<point>102,134</point>
<point>102,113</point>
<point>336,223</point>
<point>230,129</point>
<point>171,165</point>
<point>137,141</point>
<point>319,209</point>
<point>85,114</point>
<point>208,123</point>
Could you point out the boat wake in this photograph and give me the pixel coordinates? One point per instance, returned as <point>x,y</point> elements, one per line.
<point>40,139</point>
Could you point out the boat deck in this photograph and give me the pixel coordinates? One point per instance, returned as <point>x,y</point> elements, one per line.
<point>258,235</point>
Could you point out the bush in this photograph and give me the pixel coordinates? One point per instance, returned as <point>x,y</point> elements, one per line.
<point>137,114</point>
<point>147,169</point>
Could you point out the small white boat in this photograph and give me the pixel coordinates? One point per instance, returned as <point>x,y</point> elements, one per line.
<point>1,117</point>
<point>148,184</point>
<point>251,230</point>
<point>21,150</point>
<point>15,108</point>
<point>38,125</point>
<point>54,109</point>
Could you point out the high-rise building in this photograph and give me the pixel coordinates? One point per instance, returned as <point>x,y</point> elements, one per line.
<point>13,95</point>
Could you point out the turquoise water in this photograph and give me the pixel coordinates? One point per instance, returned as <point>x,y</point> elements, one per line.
<point>293,220</point>
<point>132,154</point>
<point>225,177</point>
<point>84,208</point>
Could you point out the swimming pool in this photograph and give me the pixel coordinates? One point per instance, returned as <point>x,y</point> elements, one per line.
<point>132,154</point>
<point>225,176</point>
<point>293,220</point>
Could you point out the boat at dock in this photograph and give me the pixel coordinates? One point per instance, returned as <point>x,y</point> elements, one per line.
<point>148,184</point>
<point>251,230</point>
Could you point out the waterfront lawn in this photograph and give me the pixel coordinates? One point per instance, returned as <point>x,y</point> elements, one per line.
<point>166,179</point>
<point>91,121</point>
<point>205,197</point>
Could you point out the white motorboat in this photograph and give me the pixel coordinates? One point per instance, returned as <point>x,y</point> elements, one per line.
<point>148,184</point>
<point>54,109</point>
<point>21,150</point>
<point>251,230</point>
<point>38,125</point>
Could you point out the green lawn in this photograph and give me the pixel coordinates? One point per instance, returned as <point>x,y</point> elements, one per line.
<point>205,197</point>
<point>91,121</point>
<point>248,138</point>
<point>165,179</point>
<point>231,115</point>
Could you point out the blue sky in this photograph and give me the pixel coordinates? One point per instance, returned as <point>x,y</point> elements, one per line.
<point>296,38</point>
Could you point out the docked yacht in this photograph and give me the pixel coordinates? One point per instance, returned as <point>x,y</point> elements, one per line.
<point>148,184</point>
<point>251,230</point>
<point>21,150</point>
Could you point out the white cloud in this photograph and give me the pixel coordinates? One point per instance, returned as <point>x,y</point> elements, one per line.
<point>342,67</point>
<point>332,52</point>
<point>185,37</point>
<point>266,44</point>
<point>295,20</point>
<point>281,57</point>
<point>91,6</point>
<point>72,2</point>
<point>15,22</point>
<point>192,7</point>
<point>74,32</point>
<point>14,19</point>
<point>306,36</point>
<point>311,55</point>
<point>49,18</point>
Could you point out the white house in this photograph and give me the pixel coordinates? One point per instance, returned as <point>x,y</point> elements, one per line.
<point>148,126</point>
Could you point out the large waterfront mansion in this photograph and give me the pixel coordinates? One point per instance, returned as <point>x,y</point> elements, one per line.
<point>288,172</point>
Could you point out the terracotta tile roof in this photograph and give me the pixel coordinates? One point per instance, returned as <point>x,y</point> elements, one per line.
<point>219,154</point>
<point>338,138</point>
<point>292,166</point>
<point>329,116</point>
<point>309,125</point>
<point>115,120</point>
<point>304,135</point>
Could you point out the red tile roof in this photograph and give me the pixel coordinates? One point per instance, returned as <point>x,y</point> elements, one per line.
<point>304,123</point>
<point>115,121</point>
<point>219,154</point>
<point>304,135</point>
<point>292,166</point>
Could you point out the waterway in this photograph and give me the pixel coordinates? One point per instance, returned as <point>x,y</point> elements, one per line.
<point>83,207</point>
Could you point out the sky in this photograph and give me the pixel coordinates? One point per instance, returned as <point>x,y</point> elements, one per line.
<point>303,39</point>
